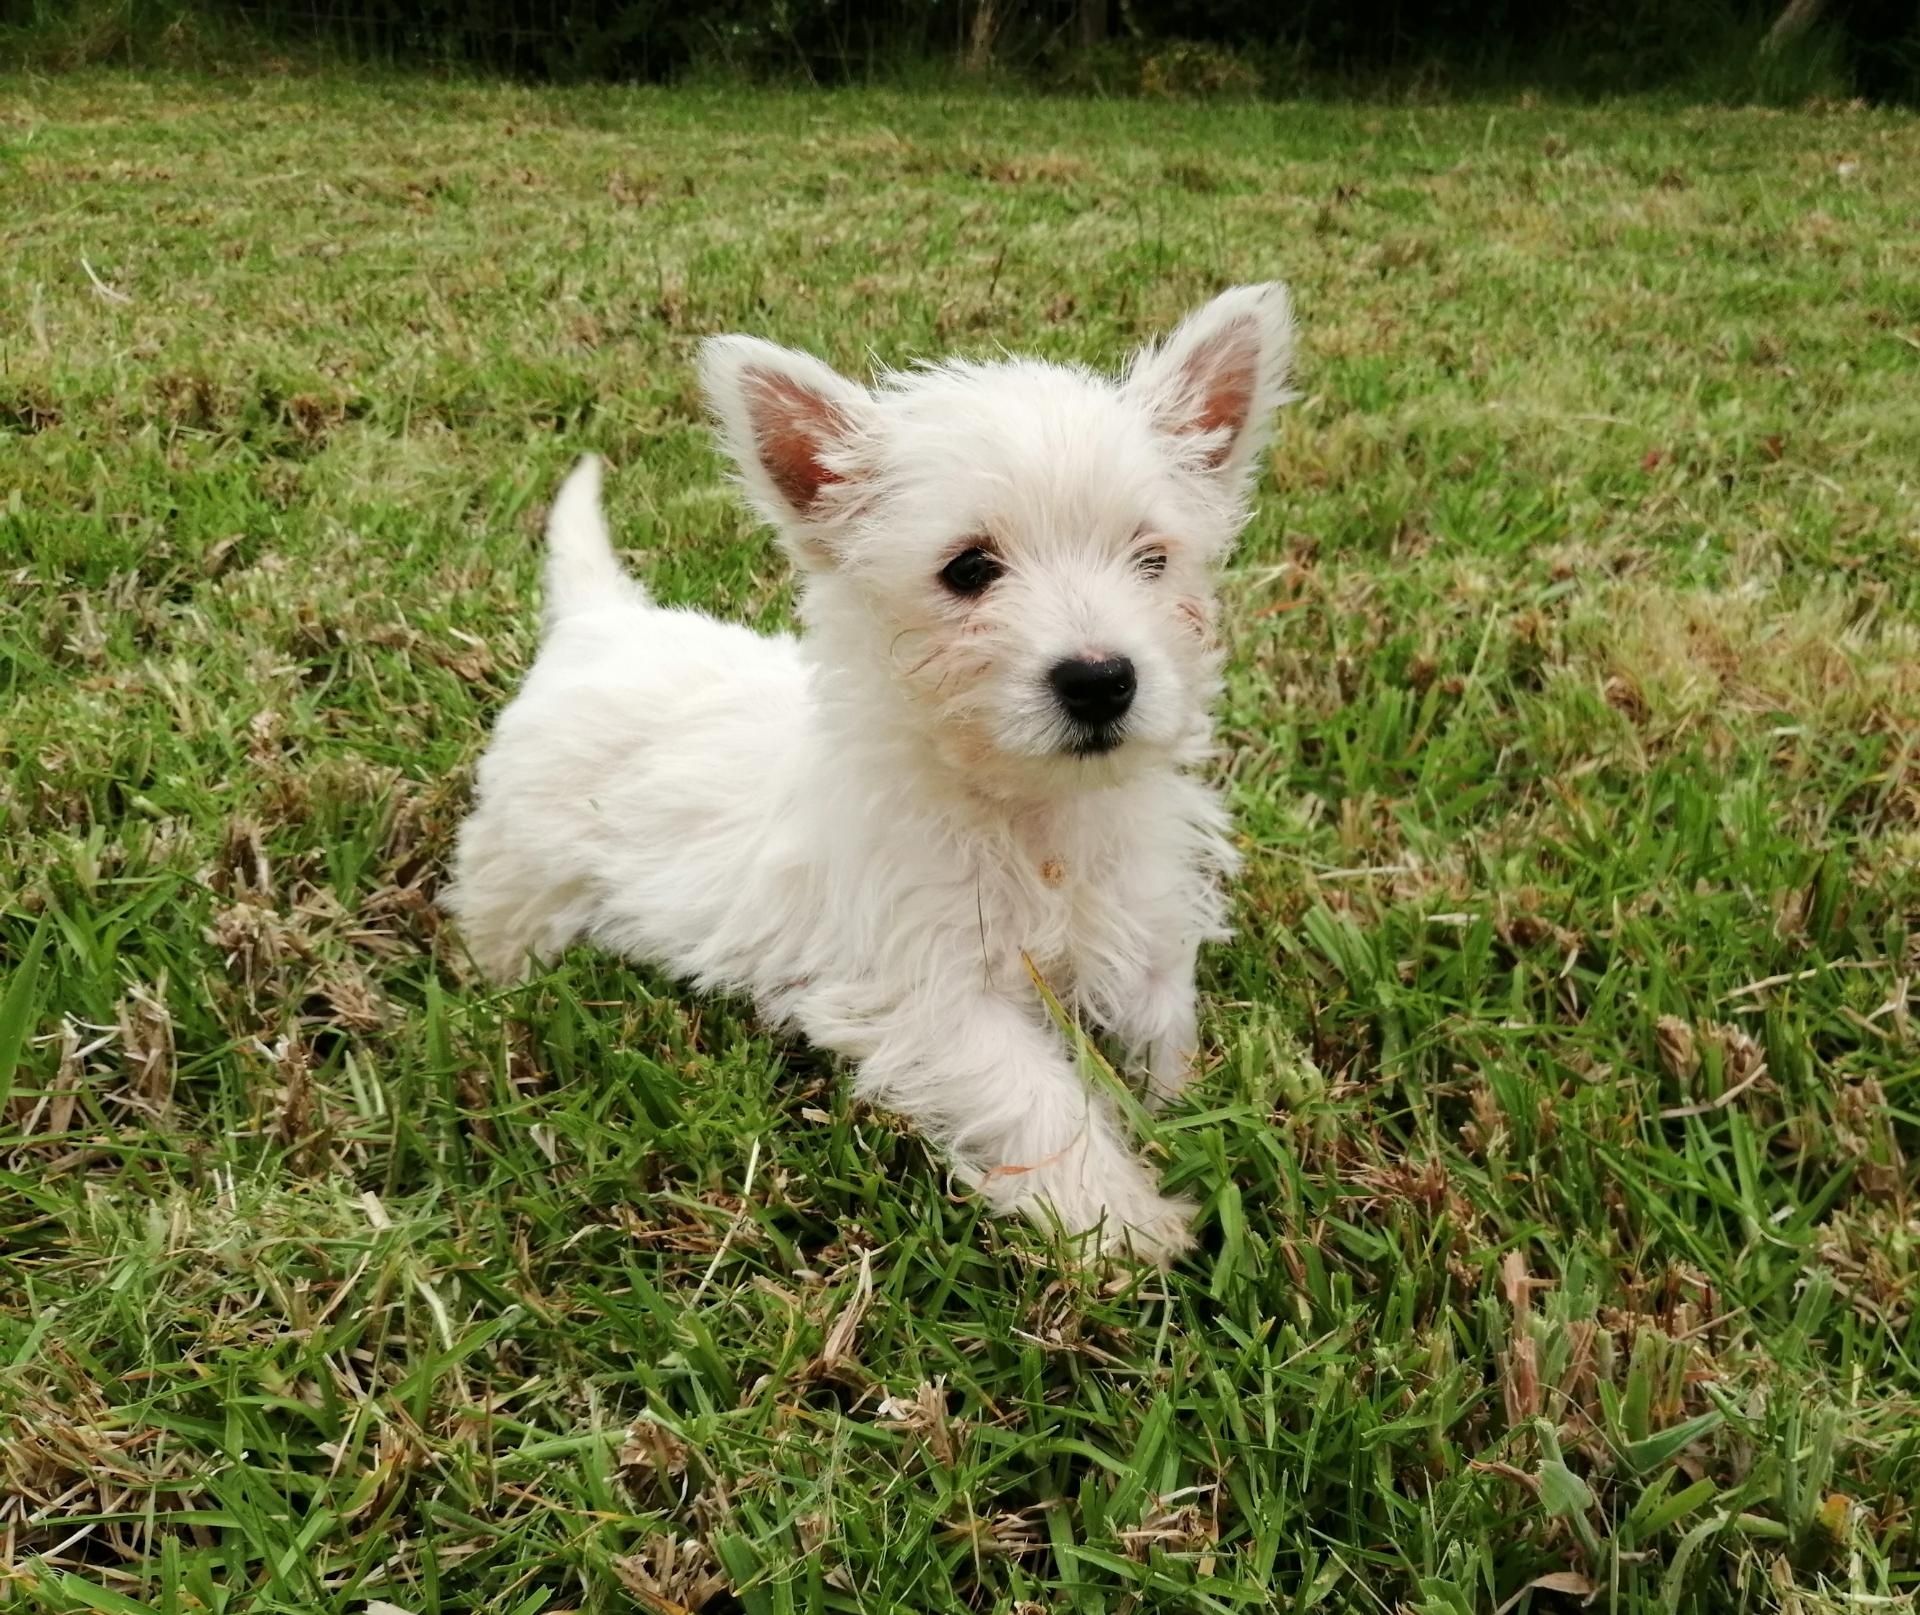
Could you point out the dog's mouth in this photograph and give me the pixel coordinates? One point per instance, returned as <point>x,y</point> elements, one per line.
<point>1096,740</point>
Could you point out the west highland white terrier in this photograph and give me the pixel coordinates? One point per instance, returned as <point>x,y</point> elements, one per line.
<point>972,768</point>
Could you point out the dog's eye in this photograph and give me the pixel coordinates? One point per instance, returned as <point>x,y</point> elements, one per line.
<point>971,571</point>
<point>1151,562</point>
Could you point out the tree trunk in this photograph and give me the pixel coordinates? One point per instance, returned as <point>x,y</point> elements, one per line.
<point>1799,16</point>
<point>986,23</point>
<point>1091,18</point>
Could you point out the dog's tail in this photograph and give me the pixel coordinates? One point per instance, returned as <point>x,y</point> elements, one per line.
<point>582,570</point>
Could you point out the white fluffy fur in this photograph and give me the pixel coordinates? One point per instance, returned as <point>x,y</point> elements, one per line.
<point>873,827</point>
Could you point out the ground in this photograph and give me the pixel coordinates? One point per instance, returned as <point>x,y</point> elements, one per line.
<point>1556,1143</point>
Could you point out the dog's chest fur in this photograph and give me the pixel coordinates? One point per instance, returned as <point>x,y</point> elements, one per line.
<point>1065,896</point>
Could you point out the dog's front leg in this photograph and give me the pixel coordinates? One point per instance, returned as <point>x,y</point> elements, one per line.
<point>1174,1053</point>
<point>1160,1023</point>
<point>989,1082</point>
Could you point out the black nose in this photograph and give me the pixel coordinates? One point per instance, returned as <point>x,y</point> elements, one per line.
<point>1094,691</point>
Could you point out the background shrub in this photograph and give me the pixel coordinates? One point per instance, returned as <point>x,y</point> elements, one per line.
<point>1711,48</point>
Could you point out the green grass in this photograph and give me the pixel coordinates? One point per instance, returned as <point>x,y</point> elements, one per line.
<point>1556,1149</point>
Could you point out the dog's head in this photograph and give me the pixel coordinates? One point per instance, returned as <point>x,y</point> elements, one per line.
<point>1023,555</point>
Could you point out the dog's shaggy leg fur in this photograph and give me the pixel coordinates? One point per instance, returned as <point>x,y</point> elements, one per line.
<point>1161,1024</point>
<point>990,1081</point>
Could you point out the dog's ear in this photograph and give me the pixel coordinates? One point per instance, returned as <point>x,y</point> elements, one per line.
<point>1214,384</point>
<point>799,432</point>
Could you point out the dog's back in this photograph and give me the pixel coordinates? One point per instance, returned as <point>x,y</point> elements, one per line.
<point>647,746</point>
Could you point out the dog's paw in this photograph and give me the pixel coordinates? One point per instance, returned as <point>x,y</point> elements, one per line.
<point>1160,1233</point>
<point>1096,1188</point>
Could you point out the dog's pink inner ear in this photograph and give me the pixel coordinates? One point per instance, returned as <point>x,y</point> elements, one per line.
<point>793,428</point>
<point>1219,378</point>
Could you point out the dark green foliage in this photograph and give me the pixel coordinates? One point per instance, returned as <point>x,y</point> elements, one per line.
<point>1181,47</point>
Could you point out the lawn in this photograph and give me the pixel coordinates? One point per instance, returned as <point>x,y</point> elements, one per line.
<point>1557,1141</point>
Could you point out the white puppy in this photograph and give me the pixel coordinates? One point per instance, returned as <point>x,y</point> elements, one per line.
<point>969,769</point>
